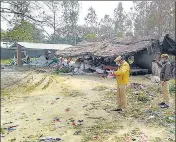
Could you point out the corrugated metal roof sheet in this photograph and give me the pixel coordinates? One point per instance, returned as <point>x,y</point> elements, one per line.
<point>29,45</point>
<point>5,44</point>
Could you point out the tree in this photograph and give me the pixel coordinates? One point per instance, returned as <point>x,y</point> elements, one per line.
<point>21,7</point>
<point>70,19</point>
<point>52,20</point>
<point>91,18</point>
<point>91,23</point>
<point>18,11</point>
<point>119,19</point>
<point>164,14</point>
<point>25,31</point>
<point>129,22</point>
<point>154,18</point>
<point>106,27</point>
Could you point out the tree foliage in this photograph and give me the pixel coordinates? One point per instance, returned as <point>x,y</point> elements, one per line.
<point>119,19</point>
<point>70,18</point>
<point>145,18</point>
<point>52,18</point>
<point>23,32</point>
<point>106,30</point>
<point>91,18</point>
<point>154,18</point>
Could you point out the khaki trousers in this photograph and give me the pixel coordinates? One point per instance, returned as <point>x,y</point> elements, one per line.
<point>121,96</point>
<point>165,92</point>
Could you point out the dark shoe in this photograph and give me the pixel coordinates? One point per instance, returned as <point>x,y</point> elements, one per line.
<point>164,106</point>
<point>162,103</point>
<point>119,109</point>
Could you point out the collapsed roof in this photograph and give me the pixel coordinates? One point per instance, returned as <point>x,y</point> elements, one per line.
<point>169,45</point>
<point>110,48</point>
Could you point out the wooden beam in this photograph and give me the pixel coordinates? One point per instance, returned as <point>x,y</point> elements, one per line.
<point>19,61</point>
<point>84,62</point>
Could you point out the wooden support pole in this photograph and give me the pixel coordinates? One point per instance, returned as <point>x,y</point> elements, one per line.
<point>19,62</point>
<point>84,62</point>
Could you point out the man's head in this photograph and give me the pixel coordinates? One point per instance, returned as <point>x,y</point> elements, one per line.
<point>164,57</point>
<point>118,60</point>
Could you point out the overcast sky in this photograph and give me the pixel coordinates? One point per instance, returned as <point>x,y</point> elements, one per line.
<point>101,8</point>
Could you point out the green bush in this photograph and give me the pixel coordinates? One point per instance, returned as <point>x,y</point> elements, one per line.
<point>172,88</point>
<point>7,61</point>
<point>62,70</point>
<point>90,36</point>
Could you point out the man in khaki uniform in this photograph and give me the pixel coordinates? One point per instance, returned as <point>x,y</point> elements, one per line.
<point>122,77</point>
<point>165,76</point>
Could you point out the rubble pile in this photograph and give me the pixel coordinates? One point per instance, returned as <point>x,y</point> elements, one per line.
<point>41,61</point>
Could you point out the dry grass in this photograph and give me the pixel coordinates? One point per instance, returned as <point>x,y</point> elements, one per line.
<point>100,88</point>
<point>47,84</point>
<point>5,92</point>
<point>101,130</point>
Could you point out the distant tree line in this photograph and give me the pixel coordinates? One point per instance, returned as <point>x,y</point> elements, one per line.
<point>28,21</point>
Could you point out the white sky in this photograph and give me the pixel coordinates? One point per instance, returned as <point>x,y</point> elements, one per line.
<point>101,8</point>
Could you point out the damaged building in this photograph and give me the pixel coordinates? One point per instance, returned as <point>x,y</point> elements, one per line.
<point>43,53</point>
<point>138,52</point>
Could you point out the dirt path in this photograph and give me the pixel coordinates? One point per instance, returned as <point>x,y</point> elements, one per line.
<point>34,100</point>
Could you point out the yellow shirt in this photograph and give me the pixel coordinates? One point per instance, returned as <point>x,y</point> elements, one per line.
<point>122,74</point>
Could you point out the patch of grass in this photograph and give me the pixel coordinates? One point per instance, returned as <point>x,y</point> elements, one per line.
<point>48,83</point>
<point>101,129</point>
<point>62,70</point>
<point>75,93</point>
<point>172,86</point>
<point>142,97</point>
<point>110,94</point>
<point>169,120</point>
<point>71,93</point>
<point>66,90</point>
<point>2,131</point>
<point>153,88</point>
<point>33,59</point>
<point>100,88</point>
<point>26,88</point>
<point>12,140</point>
<point>5,92</point>
<point>7,61</point>
<point>31,141</point>
<point>39,82</point>
<point>157,139</point>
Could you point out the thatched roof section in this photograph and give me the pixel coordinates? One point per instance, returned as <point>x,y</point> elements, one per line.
<point>109,48</point>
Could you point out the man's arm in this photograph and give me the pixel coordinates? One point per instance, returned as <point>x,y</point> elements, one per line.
<point>160,65</point>
<point>167,72</point>
<point>122,71</point>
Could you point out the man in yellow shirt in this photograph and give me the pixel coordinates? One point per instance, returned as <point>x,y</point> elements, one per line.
<point>122,77</point>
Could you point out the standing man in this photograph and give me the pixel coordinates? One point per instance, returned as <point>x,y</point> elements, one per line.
<point>165,76</point>
<point>122,77</point>
<point>27,59</point>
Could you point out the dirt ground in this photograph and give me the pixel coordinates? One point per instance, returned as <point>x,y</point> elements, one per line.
<point>40,105</point>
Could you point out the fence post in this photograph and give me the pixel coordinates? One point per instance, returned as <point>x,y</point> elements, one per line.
<point>19,62</point>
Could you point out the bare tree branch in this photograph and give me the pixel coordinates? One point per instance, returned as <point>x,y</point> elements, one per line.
<point>45,31</point>
<point>5,18</point>
<point>4,10</point>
